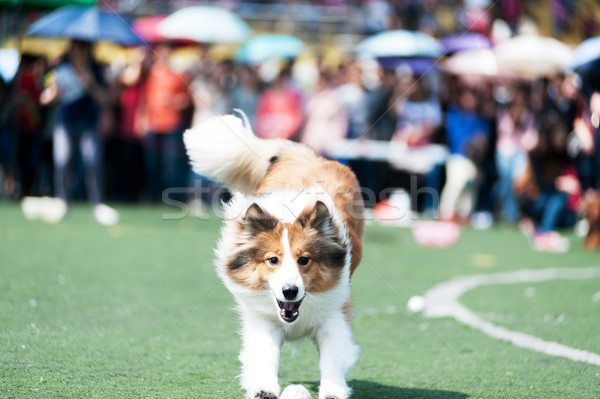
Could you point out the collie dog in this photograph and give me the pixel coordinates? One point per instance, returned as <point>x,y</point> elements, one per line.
<point>291,239</point>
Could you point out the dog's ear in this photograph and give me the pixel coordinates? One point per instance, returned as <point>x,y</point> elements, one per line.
<point>257,220</point>
<point>319,218</point>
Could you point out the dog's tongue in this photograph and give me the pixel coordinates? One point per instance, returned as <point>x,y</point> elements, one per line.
<point>289,311</point>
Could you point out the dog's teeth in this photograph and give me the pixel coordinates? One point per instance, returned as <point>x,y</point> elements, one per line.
<point>295,314</point>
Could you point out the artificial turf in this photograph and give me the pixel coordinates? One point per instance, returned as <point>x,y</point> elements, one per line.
<point>136,310</point>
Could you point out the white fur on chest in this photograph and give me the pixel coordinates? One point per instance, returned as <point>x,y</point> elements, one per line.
<point>316,309</point>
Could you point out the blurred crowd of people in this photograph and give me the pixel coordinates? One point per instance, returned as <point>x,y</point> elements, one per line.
<point>438,18</point>
<point>504,150</point>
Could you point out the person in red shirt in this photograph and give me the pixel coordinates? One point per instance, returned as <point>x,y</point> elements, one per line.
<point>166,97</point>
<point>29,120</point>
<point>125,172</point>
<point>279,110</point>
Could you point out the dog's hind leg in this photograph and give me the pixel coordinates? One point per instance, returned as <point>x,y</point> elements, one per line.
<point>338,353</point>
<point>260,360</point>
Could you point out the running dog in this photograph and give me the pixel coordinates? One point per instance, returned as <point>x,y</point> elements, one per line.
<point>290,242</point>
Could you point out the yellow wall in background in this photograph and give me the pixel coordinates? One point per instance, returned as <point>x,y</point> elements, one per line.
<point>541,12</point>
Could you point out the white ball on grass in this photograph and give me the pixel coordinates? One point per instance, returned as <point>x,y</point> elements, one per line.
<point>295,392</point>
<point>416,304</point>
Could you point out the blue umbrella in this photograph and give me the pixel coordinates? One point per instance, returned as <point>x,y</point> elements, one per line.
<point>85,23</point>
<point>466,41</point>
<point>400,43</point>
<point>269,46</point>
<point>586,52</point>
<point>589,73</point>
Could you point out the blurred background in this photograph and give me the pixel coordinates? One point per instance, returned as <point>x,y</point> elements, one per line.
<point>470,112</point>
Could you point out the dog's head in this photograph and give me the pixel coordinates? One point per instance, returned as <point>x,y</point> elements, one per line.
<point>285,258</point>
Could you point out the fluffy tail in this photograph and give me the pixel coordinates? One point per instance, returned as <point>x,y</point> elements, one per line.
<point>224,149</point>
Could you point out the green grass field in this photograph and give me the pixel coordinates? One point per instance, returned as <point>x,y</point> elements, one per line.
<point>136,310</point>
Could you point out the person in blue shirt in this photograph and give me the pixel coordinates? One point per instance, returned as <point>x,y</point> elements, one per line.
<point>81,92</point>
<point>467,134</point>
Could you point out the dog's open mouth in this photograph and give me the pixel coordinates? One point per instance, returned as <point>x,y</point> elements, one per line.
<point>289,310</point>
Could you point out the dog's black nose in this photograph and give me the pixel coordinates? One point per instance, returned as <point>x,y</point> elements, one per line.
<point>290,292</point>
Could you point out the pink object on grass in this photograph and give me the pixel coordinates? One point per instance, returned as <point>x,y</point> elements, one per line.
<point>436,234</point>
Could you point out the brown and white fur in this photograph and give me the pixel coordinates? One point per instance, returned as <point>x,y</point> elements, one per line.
<point>289,244</point>
<point>591,207</point>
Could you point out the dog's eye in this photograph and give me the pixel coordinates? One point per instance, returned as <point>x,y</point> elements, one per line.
<point>303,261</point>
<point>273,261</point>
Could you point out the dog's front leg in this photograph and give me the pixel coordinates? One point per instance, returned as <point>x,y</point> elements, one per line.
<point>260,360</point>
<point>338,353</point>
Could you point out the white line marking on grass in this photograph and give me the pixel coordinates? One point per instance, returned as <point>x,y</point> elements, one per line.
<point>442,301</point>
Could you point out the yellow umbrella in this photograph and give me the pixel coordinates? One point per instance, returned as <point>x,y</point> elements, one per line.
<point>52,48</point>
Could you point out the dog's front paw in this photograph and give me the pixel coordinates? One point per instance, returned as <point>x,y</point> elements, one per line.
<point>332,390</point>
<point>265,395</point>
<point>259,387</point>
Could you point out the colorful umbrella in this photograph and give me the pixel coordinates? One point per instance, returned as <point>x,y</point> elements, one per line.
<point>465,41</point>
<point>400,43</point>
<point>205,24</point>
<point>51,48</point>
<point>85,23</point>
<point>265,47</point>
<point>417,65</point>
<point>147,28</point>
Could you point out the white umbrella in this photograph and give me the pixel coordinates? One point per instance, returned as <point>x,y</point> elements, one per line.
<point>205,24</point>
<point>472,62</point>
<point>531,56</point>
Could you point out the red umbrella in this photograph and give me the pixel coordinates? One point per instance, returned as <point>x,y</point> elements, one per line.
<point>146,28</point>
